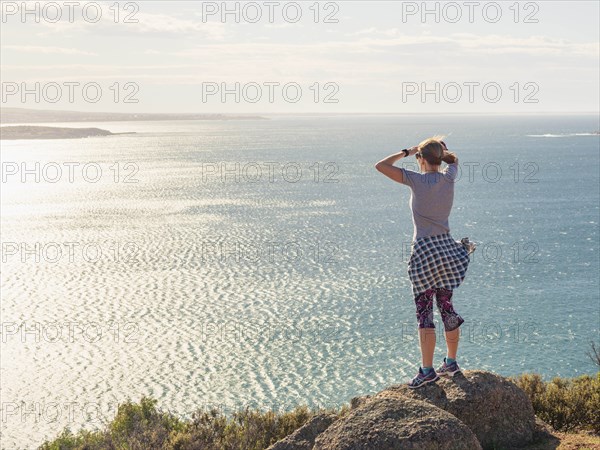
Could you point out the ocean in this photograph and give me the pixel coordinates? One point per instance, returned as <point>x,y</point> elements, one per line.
<point>262,263</point>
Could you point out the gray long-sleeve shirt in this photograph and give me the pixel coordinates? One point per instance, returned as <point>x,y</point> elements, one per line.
<point>432,195</point>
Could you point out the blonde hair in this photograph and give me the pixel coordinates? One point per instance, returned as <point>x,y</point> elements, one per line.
<point>433,150</point>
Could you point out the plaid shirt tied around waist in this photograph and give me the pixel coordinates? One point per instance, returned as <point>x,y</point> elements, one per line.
<point>438,261</point>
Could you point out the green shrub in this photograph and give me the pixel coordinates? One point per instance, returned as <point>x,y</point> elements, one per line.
<point>140,426</point>
<point>67,440</point>
<point>246,429</point>
<point>568,404</point>
<point>135,426</point>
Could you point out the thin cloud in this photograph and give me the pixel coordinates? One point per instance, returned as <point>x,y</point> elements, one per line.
<point>47,49</point>
<point>145,24</point>
<point>492,43</point>
<point>163,23</point>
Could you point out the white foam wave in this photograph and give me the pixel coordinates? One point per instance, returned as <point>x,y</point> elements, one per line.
<point>563,135</point>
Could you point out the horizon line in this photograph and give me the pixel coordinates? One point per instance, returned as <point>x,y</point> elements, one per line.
<point>311,112</point>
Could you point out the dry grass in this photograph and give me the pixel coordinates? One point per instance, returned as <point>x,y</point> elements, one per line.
<point>569,441</point>
<point>567,404</point>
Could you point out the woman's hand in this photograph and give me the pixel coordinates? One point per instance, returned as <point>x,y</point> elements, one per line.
<point>445,150</point>
<point>413,150</point>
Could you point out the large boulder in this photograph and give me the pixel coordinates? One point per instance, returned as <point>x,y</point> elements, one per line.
<point>397,423</point>
<point>304,437</point>
<point>496,410</point>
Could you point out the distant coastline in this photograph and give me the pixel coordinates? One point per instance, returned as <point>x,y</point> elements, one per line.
<point>26,116</point>
<point>36,132</point>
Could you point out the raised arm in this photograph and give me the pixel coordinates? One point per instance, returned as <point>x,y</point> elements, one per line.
<point>386,165</point>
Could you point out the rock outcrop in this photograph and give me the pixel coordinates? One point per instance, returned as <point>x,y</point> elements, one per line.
<point>304,437</point>
<point>496,410</point>
<point>472,410</point>
<point>397,423</point>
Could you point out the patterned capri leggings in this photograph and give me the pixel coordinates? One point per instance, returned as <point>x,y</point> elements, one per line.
<point>424,302</point>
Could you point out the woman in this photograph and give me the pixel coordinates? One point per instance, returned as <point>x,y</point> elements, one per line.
<point>438,263</point>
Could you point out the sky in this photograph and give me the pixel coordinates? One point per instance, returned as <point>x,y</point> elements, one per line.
<point>302,57</point>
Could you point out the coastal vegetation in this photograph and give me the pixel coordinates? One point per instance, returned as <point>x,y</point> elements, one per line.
<point>569,405</point>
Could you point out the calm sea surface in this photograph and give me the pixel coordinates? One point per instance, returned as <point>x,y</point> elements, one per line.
<point>263,263</point>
